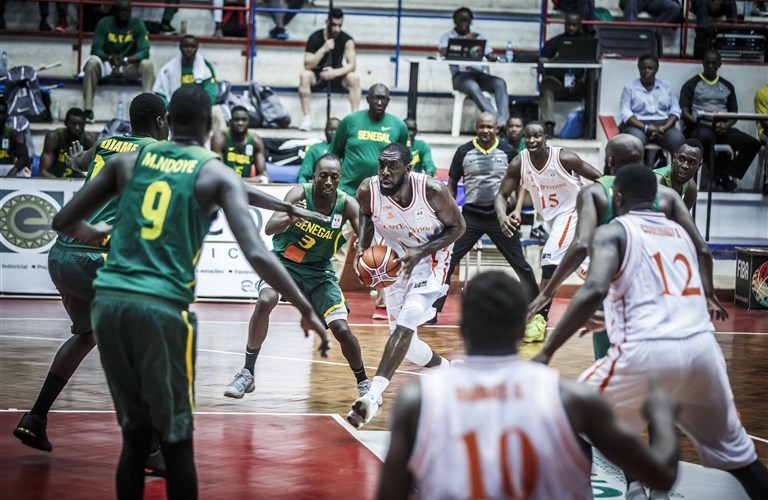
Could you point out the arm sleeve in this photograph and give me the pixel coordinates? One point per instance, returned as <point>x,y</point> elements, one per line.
<point>426,159</point>
<point>142,41</point>
<point>626,104</point>
<point>443,43</point>
<point>210,86</point>
<point>674,106</point>
<point>99,37</point>
<point>404,137</point>
<point>686,93</point>
<point>731,104</point>
<point>456,171</point>
<point>307,165</point>
<point>550,48</point>
<point>339,141</point>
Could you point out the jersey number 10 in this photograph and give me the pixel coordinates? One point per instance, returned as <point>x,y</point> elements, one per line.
<point>528,466</point>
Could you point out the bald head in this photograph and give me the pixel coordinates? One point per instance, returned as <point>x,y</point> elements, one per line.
<point>622,150</point>
<point>486,116</point>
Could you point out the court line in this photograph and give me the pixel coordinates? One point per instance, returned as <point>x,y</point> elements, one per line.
<point>259,413</point>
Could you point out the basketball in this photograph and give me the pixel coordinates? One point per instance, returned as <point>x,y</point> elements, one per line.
<point>377,267</point>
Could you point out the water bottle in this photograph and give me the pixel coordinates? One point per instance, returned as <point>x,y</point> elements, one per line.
<point>746,9</point>
<point>120,110</point>
<point>4,64</point>
<point>510,53</point>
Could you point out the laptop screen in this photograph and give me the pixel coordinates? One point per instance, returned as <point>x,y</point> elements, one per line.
<point>465,49</point>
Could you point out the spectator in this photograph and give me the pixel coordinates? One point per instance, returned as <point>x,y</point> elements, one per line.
<point>761,107</point>
<point>513,132</point>
<point>705,94</point>
<point>680,175</point>
<point>421,153</point>
<point>324,65</point>
<point>560,83</point>
<point>649,108</point>
<point>281,19</point>
<point>473,80</point>
<point>61,10</point>
<point>661,11</point>
<point>53,161</point>
<point>239,149</point>
<point>14,155</point>
<point>187,68</point>
<point>706,10</point>
<point>120,46</point>
<point>315,151</point>
<point>165,23</point>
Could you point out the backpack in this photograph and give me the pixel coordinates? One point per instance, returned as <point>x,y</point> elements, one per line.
<point>274,114</point>
<point>21,124</point>
<point>25,97</point>
<point>232,99</point>
<point>115,127</point>
<point>283,152</point>
<point>574,125</point>
<point>233,22</point>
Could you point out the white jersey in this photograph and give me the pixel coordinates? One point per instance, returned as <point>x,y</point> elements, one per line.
<point>553,189</point>
<point>657,293</point>
<point>409,226</point>
<point>495,427</point>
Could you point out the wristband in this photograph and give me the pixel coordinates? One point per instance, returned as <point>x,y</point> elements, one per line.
<point>125,61</point>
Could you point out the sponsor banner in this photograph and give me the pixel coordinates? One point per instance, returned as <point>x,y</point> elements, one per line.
<point>27,208</point>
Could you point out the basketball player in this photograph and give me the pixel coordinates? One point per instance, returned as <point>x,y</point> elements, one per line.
<point>454,433</point>
<point>305,249</point>
<point>53,160</point>
<point>681,174</point>
<point>418,218</point>
<point>553,177</point>
<point>595,208</point>
<point>239,149</point>
<point>645,266</point>
<point>169,192</point>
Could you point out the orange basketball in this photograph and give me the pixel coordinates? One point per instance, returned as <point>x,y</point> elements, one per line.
<point>377,267</point>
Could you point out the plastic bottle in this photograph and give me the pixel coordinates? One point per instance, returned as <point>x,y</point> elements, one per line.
<point>120,111</point>
<point>510,53</point>
<point>747,8</point>
<point>183,30</point>
<point>4,64</point>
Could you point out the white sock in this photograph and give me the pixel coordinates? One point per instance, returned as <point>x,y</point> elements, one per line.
<point>443,362</point>
<point>636,490</point>
<point>378,386</point>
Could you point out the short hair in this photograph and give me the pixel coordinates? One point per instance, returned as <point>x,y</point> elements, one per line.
<point>144,110</point>
<point>712,51</point>
<point>536,123</point>
<point>187,37</point>
<point>693,143</point>
<point>190,105</point>
<point>74,113</point>
<point>636,183</point>
<point>237,108</point>
<point>465,10</point>
<point>336,13</point>
<point>493,312</point>
<point>517,116</point>
<point>327,157</point>
<point>402,152</point>
<point>648,57</point>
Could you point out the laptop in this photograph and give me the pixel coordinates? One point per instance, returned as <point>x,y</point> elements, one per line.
<point>577,50</point>
<point>465,49</point>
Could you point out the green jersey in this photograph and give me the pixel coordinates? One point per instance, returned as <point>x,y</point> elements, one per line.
<point>666,174</point>
<point>60,167</point>
<point>421,157</point>
<point>188,78</point>
<point>313,243</point>
<point>607,182</point>
<point>359,140</point>
<point>311,155</point>
<point>160,226</point>
<point>129,40</point>
<point>240,158</point>
<point>7,151</point>
<point>105,150</point>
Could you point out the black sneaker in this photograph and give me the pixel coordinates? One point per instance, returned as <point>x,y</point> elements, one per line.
<point>31,432</point>
<point>540,234</point>
<point>44,26</point>
<point>155,465</point>
<point>431,321</point>
<point>165,27</point>
<point>88,116</point>
<point>728,185</point>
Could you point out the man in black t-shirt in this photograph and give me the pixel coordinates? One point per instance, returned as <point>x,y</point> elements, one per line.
<point>560,83</point>
<point>324,65</point>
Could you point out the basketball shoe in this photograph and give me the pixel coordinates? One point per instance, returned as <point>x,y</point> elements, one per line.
<point>155,465</point>
<point>380,313</point>
<point>363,410</point>
<point>363,388</point>
<point>31,431</point>
<point>535,330</point>
<point>242,383</point>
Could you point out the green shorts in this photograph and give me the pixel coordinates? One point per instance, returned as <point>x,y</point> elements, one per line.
<point>147,348</point>
<point>73,272</point>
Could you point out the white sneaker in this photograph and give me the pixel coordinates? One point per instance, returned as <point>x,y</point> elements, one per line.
<point>363,410</point>
<point>242,383</point>
<point>364,387</point>
<point>306,123</point>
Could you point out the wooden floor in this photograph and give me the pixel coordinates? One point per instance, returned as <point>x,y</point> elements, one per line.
<point>291,378</point>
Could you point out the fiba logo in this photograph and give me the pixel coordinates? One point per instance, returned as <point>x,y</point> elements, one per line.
<point>760,284</point>
<point>25,222</point>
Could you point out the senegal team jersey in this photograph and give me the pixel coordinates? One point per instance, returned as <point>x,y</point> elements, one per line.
<point>160,226</point>
<point>313,243</point>
<point>666,174</point>
<point>60,167</point>
<point>105,150</point>
<point>359,140</point>
<point>239,158</point>
<point>607,182</point>
<point>7,153</point>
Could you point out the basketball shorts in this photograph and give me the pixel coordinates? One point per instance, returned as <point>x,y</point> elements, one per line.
<point>322,85</point>
<point>693,371</point>
<point>73,272</point>
<point>147,349</point>
<point>561,232</point>
<point>321,289</point>
<point>409,303</point>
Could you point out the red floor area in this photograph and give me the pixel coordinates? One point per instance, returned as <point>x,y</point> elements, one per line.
<point>238,456</point>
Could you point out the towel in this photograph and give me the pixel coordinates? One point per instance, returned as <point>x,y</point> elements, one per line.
<point>169,78</point>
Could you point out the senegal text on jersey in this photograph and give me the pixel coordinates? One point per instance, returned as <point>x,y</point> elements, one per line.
<point>312,228</point>
<point>370,135</point>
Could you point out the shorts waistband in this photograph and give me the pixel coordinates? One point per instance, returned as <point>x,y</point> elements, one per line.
<point>139,297</point>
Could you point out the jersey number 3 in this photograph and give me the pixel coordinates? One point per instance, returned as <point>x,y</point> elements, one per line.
<point>527,465</point>
<point>154,208</point>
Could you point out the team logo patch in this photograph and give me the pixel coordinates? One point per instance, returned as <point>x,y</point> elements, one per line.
<point>25,221</point>
<point>6,143</point>
<point>249,149</point>
<point>420,284</point>
<point>420,214</point>
<point>336,222</point>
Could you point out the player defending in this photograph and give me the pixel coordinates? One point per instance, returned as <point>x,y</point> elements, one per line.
<point>656,312</point>
<point>417,217</point>
<point>453,432</point>
<point>305,249</point>
<point>553,177</point>
<point>239,149</point>
<point>681,174</point>
<point>169,192</point>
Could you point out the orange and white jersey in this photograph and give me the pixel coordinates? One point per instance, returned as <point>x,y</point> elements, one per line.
<point>409,226</point>
<point>553,189</point>
<point>495,427</point>
<point>657,293</point>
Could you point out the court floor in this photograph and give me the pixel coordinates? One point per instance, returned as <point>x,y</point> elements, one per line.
<point>288,438</point>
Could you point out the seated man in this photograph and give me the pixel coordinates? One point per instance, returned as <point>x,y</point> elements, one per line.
<point>239,149</point>
<point>706,94</point>
<point>706,10</point>
<point>121,47</point>
<point>14,155</point>
<point>315,151</point>
<point>649,108</point>
<point>761,107</point>
<point>661,11</point>
<point>680,175</point>
<point>560,83</point>
<point>324,65</point>
<point>513,132</point>
<point>53,161</point>
<point>421,153</point>
<point>187,68</point>
<point>473,80</point>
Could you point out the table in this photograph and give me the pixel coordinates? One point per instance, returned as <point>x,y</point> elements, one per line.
<point>590,89</point>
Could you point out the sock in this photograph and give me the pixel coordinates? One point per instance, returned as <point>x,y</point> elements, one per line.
<point>250,359</point>
<point>378,385</point>
<point>444,362</point>
<point>360,374</point>
<point>636,488</point>
<point>51,389</point>
<point>545,311</point>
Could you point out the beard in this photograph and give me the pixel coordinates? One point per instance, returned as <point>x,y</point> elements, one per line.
<point>394,189</point>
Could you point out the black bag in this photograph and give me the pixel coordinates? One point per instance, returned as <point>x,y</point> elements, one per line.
<point>25,97</point>
<point>115,127</point>
<point>286,151</point>
<point>272,110</point>
<point>233,22</point>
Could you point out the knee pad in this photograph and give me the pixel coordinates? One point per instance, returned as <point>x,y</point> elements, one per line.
<point>418,352</point>
<point>547,271</point>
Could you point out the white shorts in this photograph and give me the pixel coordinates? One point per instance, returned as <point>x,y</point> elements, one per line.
<point>561,232</point>
<point>409,303</point>
<point>693,371</point>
